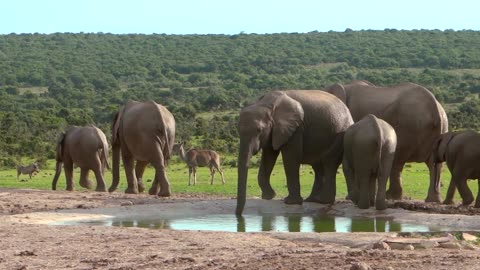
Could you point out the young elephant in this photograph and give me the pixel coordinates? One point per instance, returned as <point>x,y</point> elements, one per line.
<point>369,148</point>
<point>461,151</point>
<point>87,148</point>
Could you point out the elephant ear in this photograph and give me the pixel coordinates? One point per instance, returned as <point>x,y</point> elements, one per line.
<point>441,146</point>
<point>339,91</point>
<point>287,117</point>
<point>116,127</point>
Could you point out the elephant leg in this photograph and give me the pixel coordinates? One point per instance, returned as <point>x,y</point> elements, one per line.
<point>348,172</point>
<point>268,160</point>
<point>194,176</point>
<point>383,171</point>
<point>84,181</point>
<point>98,170</point>
<point>463,189</point>
<point>477,201</point>
<point>292,172</point>
<point>212,174</point>
<point>395,191</point>
<point>160,185</point>
<point>190,171</point>
<point>139,170</point>
<point>450,192</point>
<point>372,189</point>
<point>132,185</point>
<point>434,187</point>
<point>318,183</point>
<point>68,167</point>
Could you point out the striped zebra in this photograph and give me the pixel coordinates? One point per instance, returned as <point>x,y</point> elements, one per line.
<point>31,169</point>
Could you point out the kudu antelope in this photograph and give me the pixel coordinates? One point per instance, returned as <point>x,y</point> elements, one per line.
<point>199,158</point>
<point>31,169</point>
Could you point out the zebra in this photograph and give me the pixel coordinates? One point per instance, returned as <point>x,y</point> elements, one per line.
<point>31,169</point>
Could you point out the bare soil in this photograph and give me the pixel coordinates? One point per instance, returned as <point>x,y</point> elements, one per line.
<point>28,243</point>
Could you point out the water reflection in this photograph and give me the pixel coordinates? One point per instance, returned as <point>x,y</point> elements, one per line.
<point>266,222</point>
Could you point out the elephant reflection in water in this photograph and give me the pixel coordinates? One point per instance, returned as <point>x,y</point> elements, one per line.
<point>299,223</point>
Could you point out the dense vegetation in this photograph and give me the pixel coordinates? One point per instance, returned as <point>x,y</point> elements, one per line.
<point>50,81</point>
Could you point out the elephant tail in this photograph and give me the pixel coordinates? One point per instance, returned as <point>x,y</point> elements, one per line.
<point>104,156</point>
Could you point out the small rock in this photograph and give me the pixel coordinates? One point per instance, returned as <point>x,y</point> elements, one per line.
<point>360,266</point>
<point>381,245</point>
<point>469,237</point>
<point>450,245</point>
<point>127,203</point>
<point>424,244</point>
<point>400,246</point>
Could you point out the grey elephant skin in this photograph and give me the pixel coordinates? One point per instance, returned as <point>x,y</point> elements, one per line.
<point>369,149</point>
<point>307,127</point>
<point>86,147</point>
<point>144,132</point>
<point>461,151</point>
<point>414,113</point>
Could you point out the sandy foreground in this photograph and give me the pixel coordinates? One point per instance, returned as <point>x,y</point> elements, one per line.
<point>27,240</point>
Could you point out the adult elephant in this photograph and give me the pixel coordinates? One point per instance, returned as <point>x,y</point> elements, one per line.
<point>145,133</point>
<point>416,116</point>
<point>307,127</point>
<point>85,147</point>
<point>461,152</point>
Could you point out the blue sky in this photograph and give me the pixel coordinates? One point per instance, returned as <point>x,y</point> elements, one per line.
<point>233,17</point>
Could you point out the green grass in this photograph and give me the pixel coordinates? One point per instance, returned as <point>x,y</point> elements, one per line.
<point>415,180</point>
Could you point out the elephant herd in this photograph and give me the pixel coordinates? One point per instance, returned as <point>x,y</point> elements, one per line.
<point>372,131</point>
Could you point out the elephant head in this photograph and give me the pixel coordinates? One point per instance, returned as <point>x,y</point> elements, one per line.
<point>266,124</point>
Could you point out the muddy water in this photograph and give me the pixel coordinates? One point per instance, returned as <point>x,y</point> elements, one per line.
<point>259,223</point>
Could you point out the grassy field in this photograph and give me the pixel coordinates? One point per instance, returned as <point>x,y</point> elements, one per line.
<point>415,180</point>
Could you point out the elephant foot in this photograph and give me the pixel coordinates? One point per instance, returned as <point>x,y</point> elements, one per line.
<point>268,195</point>
<point>293,200</point>
<point>164,193</point>
<point>111,189</point>
<point>87,184</point>
<point>468,201</point>
<point>130,190</point>
<point>320,199</point>
<point>433,197</point>
<point>141,186</point>
<point>448,202</point>
<point>477,204</point>
<point>101,189</point>
<point>394,195</point>
<point>380,206</point>
<point>154,190</point>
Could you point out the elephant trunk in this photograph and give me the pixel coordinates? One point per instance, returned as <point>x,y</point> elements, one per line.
<point>58,170</point>
<point>116,167</point>
<point>243,162</point>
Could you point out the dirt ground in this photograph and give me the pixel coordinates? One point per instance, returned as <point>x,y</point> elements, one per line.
<point>28,243</point>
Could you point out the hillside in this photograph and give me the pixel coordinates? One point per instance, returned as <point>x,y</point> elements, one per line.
<point>50,81</point>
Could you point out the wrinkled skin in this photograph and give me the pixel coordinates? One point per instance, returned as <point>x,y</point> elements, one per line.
<point>307,127</point>
<point>462,153</point>
<point>86,147</point>
<point>369,148</point>
<point>145,133</point>
<point>416,116</point>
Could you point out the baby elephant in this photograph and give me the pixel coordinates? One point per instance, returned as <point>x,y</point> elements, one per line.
<point>461,151</point>
<point>369,147</point>
<point>87,148</point>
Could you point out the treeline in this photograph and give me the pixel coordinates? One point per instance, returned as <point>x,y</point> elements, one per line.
<point>48,82</point>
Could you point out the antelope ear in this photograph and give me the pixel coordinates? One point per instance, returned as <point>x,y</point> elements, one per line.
<point>339,91</point>
<point>116,126</point>
<point>441,146</point>
<point>287,117</point>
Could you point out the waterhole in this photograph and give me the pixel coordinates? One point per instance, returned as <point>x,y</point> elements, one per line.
<point>262,223</point>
